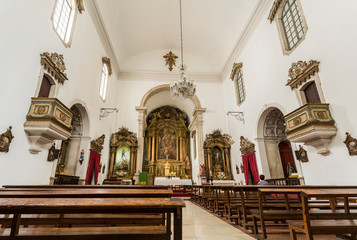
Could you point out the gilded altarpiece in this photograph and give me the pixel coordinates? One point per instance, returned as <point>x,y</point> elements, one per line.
<point>167,143</point>
<point>217,152</point>
<point>123,154</point>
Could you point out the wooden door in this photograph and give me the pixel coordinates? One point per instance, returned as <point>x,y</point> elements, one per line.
<point>311,94</point>
<point>286,156</point>
<point>45,87</point>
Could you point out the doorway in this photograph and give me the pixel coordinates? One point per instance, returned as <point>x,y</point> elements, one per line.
<point>287,159</point>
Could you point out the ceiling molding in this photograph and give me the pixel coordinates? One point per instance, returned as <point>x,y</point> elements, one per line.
<point>260,9</point>
<point>164,76</point>
<point>98,22</point>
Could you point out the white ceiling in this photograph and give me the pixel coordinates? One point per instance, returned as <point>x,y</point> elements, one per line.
<point>142,31</point>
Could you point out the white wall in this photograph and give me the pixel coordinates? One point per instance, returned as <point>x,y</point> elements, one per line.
<point>331,40</point>
<point>27,34</point>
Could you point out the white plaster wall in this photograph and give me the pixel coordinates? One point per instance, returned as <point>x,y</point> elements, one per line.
<point>330,39</point>
<point>27,32</point>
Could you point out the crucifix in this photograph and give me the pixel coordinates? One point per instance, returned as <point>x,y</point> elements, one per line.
<point>170,60</point>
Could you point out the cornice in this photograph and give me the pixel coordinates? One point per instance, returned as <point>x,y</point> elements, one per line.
<point>98,22</point>
<point>260,10</point>
<point>165,76</point>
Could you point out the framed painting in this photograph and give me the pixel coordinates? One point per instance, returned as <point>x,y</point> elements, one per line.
<point>122,161</point>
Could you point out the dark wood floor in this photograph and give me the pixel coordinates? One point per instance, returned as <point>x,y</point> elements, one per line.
<point>277,233</point>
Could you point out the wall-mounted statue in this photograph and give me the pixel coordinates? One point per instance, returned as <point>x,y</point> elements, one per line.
<point>123,154</point>
<point>217,153</point>
<point>5,140</point>
<point>351,144</point>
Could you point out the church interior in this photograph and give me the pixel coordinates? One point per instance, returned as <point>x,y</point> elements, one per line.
<point>145,99</point>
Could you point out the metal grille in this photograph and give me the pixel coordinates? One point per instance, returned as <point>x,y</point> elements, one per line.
<point>240,86</point>
<point>292,23</point>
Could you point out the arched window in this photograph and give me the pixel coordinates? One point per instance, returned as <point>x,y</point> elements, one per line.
<point>104,82</point>
<point>237,77</point>
<point>63,17</point>
<point>291,23</point>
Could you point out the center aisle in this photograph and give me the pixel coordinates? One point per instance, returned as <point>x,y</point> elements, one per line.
<point>198,224</point>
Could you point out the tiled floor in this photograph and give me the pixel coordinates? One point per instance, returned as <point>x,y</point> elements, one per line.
<point>199,224</point>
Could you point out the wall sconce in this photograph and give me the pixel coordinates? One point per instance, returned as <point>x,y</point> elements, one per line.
<point>238,115</point>
<point>104,112</point>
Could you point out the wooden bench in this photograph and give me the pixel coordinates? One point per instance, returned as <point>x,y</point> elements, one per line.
<point>335,222</point>
<point>19,206</point>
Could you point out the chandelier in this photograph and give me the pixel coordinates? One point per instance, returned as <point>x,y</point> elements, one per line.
<point>182,89</point>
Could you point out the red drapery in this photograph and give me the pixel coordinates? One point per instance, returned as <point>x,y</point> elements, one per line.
<point>250,162</point>
<point>94,162</point>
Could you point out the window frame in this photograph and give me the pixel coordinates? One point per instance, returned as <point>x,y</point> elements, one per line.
<point>71,21</point>
<point>106,67</point>
<point>282,31</point>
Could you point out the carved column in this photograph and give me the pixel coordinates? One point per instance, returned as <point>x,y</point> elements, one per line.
<point>177,148</point>
<point>210,169</point>
<point>141,133</point>
<point>153,149</point>
<point>111,167</point>
<point>149,148</point>
<point>228,162</point>
<point>181,149</point>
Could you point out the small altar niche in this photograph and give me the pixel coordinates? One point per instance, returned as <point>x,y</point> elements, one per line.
<point>123,155</point>
<point>217,152</point>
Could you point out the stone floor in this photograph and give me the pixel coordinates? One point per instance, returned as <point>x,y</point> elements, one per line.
<point>198,224</point>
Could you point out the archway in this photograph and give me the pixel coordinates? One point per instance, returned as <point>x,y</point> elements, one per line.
<point>274,149</point>
<point>160,96</point>
<point>70,154</point>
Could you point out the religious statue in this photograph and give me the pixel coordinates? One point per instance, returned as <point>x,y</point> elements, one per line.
<point>289,169</point>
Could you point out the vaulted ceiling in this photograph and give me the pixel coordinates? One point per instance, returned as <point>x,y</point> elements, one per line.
<point>142,31</point>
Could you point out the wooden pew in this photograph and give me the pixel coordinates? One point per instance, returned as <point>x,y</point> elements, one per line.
<point>336,222</point>
<point>19,206</point>
<point>83,219</point>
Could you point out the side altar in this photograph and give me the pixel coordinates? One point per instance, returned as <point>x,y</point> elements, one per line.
<point>167,151</point>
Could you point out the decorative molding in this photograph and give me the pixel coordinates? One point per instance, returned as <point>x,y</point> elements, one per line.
<point>236,67</point>
<point>301,71</point>
<point>260,10</point>
<point>97,144</point>
<point>80,5</point>
<point>170,59</point>
<point>157,76</point>
<point>106,61</point>
<point>102,33</point>
<point>55,66</point>
<point>274,9</point>
<point>246,146</point>
<point>218,137</point>
<point>351,144</point>
<point>5,140</point>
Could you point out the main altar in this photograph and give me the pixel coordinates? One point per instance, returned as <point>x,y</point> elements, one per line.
<point>166,151</point>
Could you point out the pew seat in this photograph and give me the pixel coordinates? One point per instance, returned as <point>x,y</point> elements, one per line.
<point>90,233</point>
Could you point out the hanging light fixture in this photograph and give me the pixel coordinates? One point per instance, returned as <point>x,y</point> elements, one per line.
<point>182,89</point>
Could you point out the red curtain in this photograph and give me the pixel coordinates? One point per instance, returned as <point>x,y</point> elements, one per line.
<point>249,161</point>
<point>93,166</point>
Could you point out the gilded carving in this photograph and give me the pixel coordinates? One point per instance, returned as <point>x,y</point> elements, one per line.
<point>55,66</point>
<point>123,157</point>
<point>5,140</point>
<point>313,125</point>
<point>246,146</point>
<point>217,155</point>
<point>80,5</point>
<point>97,144</point>
<point>236,67</point>
<point>301,71</point>
<point>303,154</point>
<point>107,62</point>
<point>170,59</point>
<point>351,144</point>
<point>274,9</point>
